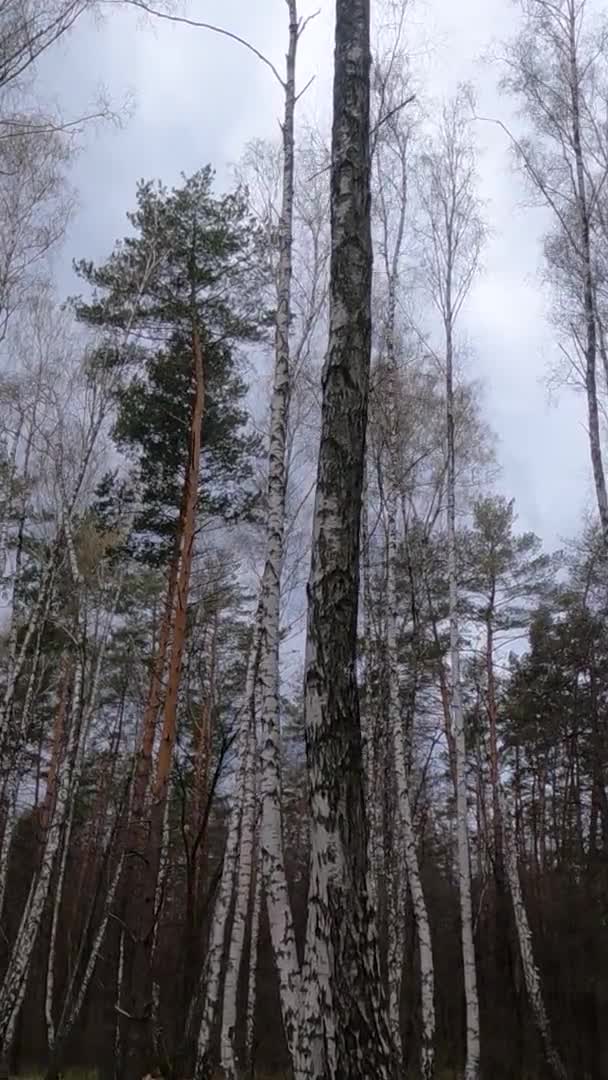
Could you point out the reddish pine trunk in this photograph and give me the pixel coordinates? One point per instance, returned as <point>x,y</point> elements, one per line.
<point>142,902</point>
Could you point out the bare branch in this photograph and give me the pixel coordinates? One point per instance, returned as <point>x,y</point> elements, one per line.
<point>184,21</point>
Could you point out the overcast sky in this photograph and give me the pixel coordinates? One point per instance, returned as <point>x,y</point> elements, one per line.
<point>198,98</point>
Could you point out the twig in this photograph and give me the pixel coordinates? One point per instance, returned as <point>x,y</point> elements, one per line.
<point>307,87</point>
<point>389,115</point>
<point>373,131</point>
<point>203,26</point>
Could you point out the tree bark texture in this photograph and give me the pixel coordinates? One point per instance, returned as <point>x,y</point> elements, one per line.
<point>345,1027</point>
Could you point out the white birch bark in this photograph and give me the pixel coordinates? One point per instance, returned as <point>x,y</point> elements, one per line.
<point>12,991</point>
<point>395,886</point>
<point>455,237</point>
<point>33,623</point>
<point>49,996</point>
<point>343,1030</point>
<point>462,826</point>
<point>532,976</point>
<point>159,898</point>
<point>252,983</point>
<point>244,875</point>
<point>87,719</point>
<point>278,904</point>
<point>12,786</point>
<point>120,971</point>
<point>77,991</point>
<point>7,509</point>
<point>405,830</point>
<point>46,584</point>
<point>372,744</point>
<point>405,852</point>
<point>7,836</point>
<point>210,980</point>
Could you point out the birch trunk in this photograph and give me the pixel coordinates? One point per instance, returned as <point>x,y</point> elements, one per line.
<point>10,821</point>
<point>14,983</point>
<point>89,950</point>
<point>159,899</point>
<point>506,864</point>
<point>589,307</point>
<point>344,1030</point>
<point>49,997</point>
<point>526,948</point>
<point>118,1006</point>
<point>241,905</point>
<point>33,623</point>
<point>278,904</point>
<point>396,887</point>
<point>15,767</point>
<point>210,979</point>
<point>66,1026</point>
<point>405,830</point>
<point>462,826</point>
<point>372,743</point>
<point>405,849</point>
<point>256,911</point>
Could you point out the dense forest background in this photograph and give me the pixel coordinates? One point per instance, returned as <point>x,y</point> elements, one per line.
<point>303,735</point>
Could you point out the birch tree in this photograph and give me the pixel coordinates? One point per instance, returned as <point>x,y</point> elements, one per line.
<point>28,29</point>
<point>392,154</point>
<point>271,838</point>
<point>453,236</point>
<point>508,574</point>
<point>269,610</point>
<point>556,69</point>
<point>344,1030</point>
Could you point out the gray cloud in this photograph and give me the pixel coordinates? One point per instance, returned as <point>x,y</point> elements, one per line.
<point>199,98</point>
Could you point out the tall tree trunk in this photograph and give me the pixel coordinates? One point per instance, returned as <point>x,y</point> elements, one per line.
<point>276,891</point>
<point>211,975</point>
<point>372,743</point>
<point>589,294</point>
<point>407,838</point>
<point>256,910</point>
<point>524,935</point>
<point>344,1030</point>
<point>458,727</point>
<point>241,903</point>
<point>141,902</point>
<point>76,776</point>
<point>12,991</point>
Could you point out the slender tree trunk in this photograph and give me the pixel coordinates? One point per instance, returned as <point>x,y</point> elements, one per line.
<point>256,910</point>
<point>210,980</point>
<point>76,1001</point>
<point>120,969</point>
<point>49,997</point>
<point>33,623</point>
<point>344,1030</point>
<point>14,984</point>
<point>10,820</point>
<point>276,891</point>
<point>524,936</point>
<point>372,741</point>
<point>464,861</point>
<point>11,788</point>
<point>396,888</point>
<point>444,691</point>
<point>407,838</point>
<point>241,904</point>
<point>595,443</point>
